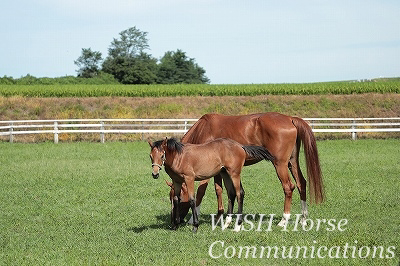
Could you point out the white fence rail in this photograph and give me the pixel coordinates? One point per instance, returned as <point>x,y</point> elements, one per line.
<point>177,126</point>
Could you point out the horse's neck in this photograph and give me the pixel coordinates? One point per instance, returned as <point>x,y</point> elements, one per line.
<point>170,157</point>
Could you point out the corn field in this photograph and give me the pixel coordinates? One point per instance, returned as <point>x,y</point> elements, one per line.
<point>78,90</point>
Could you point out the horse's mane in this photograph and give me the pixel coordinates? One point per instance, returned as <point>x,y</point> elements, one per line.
<point>172,145</point>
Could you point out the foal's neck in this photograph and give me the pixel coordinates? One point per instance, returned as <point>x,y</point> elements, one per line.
<point>170,157</point>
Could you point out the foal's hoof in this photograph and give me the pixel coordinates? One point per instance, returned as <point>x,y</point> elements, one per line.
<point>238,228</point>
<point>173,227</point>
<point>283,222</point>
<point>194,230</point>
<point>303,221</point>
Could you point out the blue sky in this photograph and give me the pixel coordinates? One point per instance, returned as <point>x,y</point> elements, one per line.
<point>257,41</point>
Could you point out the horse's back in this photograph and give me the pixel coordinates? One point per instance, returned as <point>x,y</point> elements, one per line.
<point>274,131</point>
<point>252,129</point>
<point>214,126</point>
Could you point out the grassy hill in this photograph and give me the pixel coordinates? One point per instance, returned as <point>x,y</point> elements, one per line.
<point>354,105</point>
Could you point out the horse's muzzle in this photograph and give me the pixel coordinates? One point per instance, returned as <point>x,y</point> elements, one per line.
<point>155,176</point>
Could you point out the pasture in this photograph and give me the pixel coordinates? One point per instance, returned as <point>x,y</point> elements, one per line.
<point>91,203</point>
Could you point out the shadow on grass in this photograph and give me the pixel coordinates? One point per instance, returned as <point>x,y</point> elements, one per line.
<point>165,222</point>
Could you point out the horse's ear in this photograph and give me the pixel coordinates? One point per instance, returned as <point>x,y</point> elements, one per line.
<point>150,142</point>
<point>164,143</point>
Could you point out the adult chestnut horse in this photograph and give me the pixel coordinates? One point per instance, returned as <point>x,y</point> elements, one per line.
<point>185,163</point>
<point>280,134</point>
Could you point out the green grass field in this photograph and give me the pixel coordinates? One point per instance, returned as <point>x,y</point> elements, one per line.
<point>97,204</point>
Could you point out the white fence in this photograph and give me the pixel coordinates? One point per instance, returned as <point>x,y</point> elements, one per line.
<point>177,126</point>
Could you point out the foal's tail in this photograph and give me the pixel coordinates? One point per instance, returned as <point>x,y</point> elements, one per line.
<point>258,153</point>
<point>305,134</point>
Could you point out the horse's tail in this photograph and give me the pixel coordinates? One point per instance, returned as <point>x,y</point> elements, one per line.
<point>258,153</point>
<point>305,134</point>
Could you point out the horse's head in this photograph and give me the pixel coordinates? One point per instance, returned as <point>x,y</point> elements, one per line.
<point>157,156</point>
<point>158,150</point>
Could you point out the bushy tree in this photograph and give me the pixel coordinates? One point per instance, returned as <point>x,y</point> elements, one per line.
<point>7,80</point>
<point>88,63</point>
<point>128,62</point>
<point>176,67</point>
<point>132,70</point>
<point>131,43</point>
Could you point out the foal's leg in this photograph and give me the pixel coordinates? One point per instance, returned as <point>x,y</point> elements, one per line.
<point>218,192</point>
<point>239,196</point>
<point>288,187</point>
<point>201,190</point>
<point>301,183</point>
<point>190,187</point>
<point>175,218</point>
<point>231,197</point>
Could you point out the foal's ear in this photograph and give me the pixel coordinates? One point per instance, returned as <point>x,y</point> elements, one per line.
<point>164,143</point>
<point>150,142</point>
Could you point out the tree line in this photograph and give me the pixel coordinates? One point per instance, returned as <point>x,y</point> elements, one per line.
<point>127,62</point>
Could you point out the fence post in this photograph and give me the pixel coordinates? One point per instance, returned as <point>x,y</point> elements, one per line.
<point>55,132</point>
<point>186,123</point>
<point>142,131</point>
<point>102,132</point>
<point>11,133</point>
<point>353,134</point>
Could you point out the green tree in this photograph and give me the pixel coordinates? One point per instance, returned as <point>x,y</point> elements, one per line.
<point>132,43</point>
<point>88,63</point>
<point>128,62</point>
<point>7,80</point>
<point>176,67</point>
<point>132,70</point>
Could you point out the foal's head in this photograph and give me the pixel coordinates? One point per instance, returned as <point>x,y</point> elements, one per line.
<point>158,150</point>
<point>157,156</point>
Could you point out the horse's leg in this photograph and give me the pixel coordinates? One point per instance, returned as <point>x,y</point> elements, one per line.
<point>288,187</point>
<point>231,197</point>
<point>201,190</point>
<point>175,218</point>
<point>190,188</point>
<point>218,192</point>
<point>239,193</point>
<point>301,183</point>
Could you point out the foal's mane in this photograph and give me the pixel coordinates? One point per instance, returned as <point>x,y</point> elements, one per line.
<point>172,145</point>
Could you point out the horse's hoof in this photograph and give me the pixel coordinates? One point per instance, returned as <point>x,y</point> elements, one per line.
<point>303,222</point>
<point>194,229</point>
<point>238,228</point>
<point>282,223</point>
<point>228,221</point>
<point>173,227</point>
